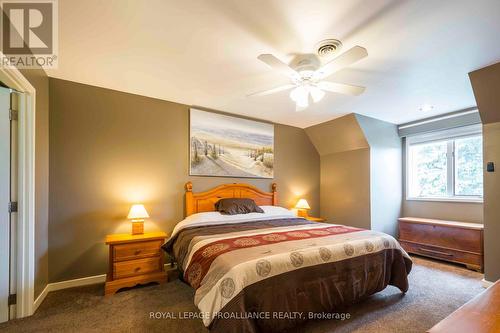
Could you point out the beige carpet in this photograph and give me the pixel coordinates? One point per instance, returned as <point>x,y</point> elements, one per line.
<point>436,290</point>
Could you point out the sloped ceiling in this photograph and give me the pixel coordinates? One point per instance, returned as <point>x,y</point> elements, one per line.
<point>204,53</point>
<point>486,85</point>
<point>338,135</point>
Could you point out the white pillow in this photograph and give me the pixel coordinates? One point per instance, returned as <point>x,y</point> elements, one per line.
<point>277,210</point>
<point>208,218</point>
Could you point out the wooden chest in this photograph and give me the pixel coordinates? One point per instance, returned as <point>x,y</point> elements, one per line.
<point>453,241</point>
<point>134,259</point>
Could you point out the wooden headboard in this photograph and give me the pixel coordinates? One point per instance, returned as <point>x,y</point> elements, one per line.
<point>205,201</point>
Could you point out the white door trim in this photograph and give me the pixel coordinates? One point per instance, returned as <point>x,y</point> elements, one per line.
<point>13,78</point>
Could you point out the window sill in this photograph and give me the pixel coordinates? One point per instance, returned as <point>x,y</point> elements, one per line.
<point>464,200</point>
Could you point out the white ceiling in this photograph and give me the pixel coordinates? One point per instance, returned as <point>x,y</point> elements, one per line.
<point>204,53</point>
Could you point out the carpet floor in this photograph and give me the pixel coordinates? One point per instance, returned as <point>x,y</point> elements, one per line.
<point>436,290</point>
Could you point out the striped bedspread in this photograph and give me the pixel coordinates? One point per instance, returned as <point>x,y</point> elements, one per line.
<point>221,260</point>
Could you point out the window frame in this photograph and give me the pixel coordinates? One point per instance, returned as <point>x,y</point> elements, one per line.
<point>449,136</point>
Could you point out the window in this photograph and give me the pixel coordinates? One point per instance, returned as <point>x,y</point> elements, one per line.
<point>446,166</point>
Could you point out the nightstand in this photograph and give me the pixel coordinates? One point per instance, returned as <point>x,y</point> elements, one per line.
<point>134,259</point>
<point>315,219</point>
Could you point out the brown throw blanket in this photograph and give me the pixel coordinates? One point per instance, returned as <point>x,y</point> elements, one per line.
<point>269,275</point>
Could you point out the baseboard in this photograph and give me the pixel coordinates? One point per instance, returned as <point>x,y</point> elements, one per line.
<point>75,283</point>
<point>40,298</point>
<point>486,283</point>
<point>65,285</point>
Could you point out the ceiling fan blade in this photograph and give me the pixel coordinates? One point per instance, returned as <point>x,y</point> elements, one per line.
<point>345,59</point>
<point>341,88</point>
<point>278,65</point>
<point>272,91</point>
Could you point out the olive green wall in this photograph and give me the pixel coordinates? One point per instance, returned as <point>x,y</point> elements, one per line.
<point>109,149</point>
<point>491,148</point>
<point>360,172</point>
<point>345,171</point>
<point>451,211</point>
<point>345,188</point>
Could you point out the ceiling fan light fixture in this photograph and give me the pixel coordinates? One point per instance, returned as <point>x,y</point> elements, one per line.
<point>306,74</point>
<point>300,96</point>
<point>316,94</point>
<point>303,103</point>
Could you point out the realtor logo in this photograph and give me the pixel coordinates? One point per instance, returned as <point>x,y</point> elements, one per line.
<point>29,33</point>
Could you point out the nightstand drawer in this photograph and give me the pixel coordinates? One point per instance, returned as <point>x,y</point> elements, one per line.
<point>135,267</point>
<point>122,252</point>
<point>134,259</point>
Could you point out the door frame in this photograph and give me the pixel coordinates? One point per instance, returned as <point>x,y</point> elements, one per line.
<point>25,270</point>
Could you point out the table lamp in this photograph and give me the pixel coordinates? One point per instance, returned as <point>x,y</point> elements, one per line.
<point>302,207</point>
<point>137,214</point>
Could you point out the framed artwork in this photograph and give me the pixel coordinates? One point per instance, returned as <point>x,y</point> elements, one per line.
<point>226,146</point>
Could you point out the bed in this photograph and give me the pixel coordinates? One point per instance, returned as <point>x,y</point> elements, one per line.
<point>268,272</point>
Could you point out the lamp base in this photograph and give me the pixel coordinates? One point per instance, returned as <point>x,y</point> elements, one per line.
<point>302,213</point>
<point>138,228</point>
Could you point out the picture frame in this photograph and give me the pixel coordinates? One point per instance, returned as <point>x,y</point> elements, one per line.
<point>221,145</point>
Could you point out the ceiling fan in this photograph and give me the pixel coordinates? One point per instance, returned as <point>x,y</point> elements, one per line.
<point>307,74</point>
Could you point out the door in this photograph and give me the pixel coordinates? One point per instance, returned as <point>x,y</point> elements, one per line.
<point>5,199</point>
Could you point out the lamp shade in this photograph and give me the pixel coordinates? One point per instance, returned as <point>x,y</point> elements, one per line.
<point>302,204</point>
<point>137,212</point>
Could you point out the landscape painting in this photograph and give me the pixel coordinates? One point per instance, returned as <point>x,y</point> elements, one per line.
<point>228,146</point>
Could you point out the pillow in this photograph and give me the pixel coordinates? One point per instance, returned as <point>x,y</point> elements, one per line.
<point>277,210</point>
<point>233,206</point>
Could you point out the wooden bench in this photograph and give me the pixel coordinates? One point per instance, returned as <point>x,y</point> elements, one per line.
<point>480,315</point>
<point>454,241</point>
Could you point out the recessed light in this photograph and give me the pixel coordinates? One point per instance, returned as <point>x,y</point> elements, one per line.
<point>426,108</point>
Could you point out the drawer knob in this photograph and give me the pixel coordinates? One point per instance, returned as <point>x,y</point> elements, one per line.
<point>137,269</point>
<point>137,252</point>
